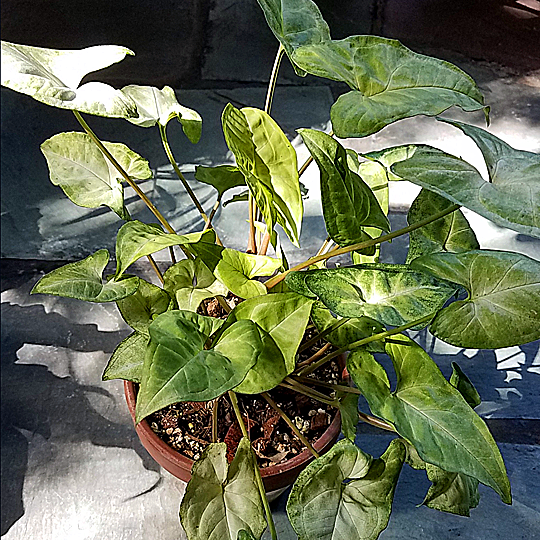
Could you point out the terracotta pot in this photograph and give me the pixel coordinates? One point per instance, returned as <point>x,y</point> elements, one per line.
<point>275,477</point>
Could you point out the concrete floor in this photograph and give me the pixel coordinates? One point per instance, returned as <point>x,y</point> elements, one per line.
<point>72,466</point>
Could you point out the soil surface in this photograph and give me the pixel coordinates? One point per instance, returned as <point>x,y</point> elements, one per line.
<point>187,426</point>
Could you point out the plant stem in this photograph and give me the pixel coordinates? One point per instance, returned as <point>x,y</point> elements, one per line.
<point>223,303</point>
<point>301,389</point>
<point>291,424</point>
<point>260,485</point>
<point>362,245</point>
<point>316,356</point>
<point>126,177</point>
<point>273,80</point>
<point>376,337</point>
<point>208,224</point>
<point>316,382</point>
<point>252,242</point>
<point>325,332</point>
<point>155,268</point>
<point>376,422</point>
<point>306,164</point>
<point>215,407</point>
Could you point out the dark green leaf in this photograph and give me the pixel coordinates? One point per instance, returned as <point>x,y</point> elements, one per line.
<point>430,413</point>
<point>389,293</point>
<point>450,233</point>
<point>346,493</point>
<point>241,197</point>
<point>127,359</point>
<point>507,200</point>
<point>466,388</point>
<point>84,280</point>
<point>348,202</point>
<point>160,106</point>
<point>502,308</point>
<point>222,500</point>
<point>53,76</point>
<point>177,367</point>
<point>268,162</point>
<point>389,82</point>
<point>348,407</point>
<point>223,178</point>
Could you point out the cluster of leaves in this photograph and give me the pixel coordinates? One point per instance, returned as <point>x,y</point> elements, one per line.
<point>466,296</point>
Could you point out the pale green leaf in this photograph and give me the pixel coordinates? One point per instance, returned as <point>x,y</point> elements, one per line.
<point>191,282</point>
<point>295,23</point>
<point>159,106</point>
<point>177,366</point>
<point>127,359</point>
<point>136,239</point>
<point>268,162</point>
<point>84,280</point>
<point>450,233</point>
<point>389,82</point>
<point>135,166</point>
<point>223,177</point>
<point>503,306</point>
<point>140,308</point>
<point>348,202</point>
<point>507,200</point>
<point>345,494</point>
<point>222,500</point>
<point>53,76</point>
<point>392,294</point>
<point>430,413</point>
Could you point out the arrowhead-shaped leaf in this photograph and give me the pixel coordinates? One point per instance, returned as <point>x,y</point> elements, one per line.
<point>345,493</point>
<point>389,82</point>
<point>509,200</point>
<point>295,23</point>
<point>223,177</point>
<point>85,175</point>
<point>191,282</point>
<point>284,317</point>
<point>159,106</point>
<point>84,280</point>
<point>221,499</point>
<point>140,308</point>
<point>177,367</point>
<point>236,269</point>
<point>127,360</point>
<point>430,413</point>
<point>389,293</point>
<point>502,308</point>
<point>136,239</point>
<point>348,202</point>
<point>450,233</point>
<point>268,162</point>
<point>52,76</point>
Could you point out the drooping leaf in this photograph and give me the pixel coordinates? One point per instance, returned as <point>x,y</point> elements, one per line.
<point>222,500</point>
<point>430,413</point>
<point>177,367</point>
<point>350,331</point>
<point>450,233</point>
<point>295,23</point>
<point>465,387</point>
<point>191,282</point>
<point>85,175</point>
<point>53,76</point>
<point>84,280</point>
<point>268,162</point>
<point>160,106</point>
<point>502,308</point>
<point>455,493</point>
<point>140,308</point>
<point>136,239</point>
<point>348,202</point>
<point>241,197</point>
<point>223,177</point>
<point>392,294</point>
<point>345,493</point>
<point>510,200</point>
<point>284,316</point>
<point>389,82</point>
<point>348,407</point>
<point>236,269</point>
<point>127,359</point>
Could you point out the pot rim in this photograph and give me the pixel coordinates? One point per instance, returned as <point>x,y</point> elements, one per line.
<point>301,459</point>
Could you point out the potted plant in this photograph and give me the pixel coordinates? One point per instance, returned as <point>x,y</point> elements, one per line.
<point>226,326</point>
